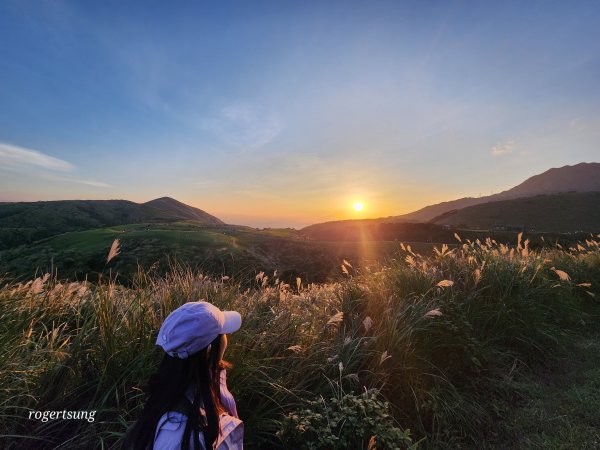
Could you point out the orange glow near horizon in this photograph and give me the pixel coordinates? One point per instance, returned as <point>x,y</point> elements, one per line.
<point>296,210</point>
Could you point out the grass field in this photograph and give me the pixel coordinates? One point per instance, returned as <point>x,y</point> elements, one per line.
<point>444,350</point>
<point>556,407</point>
<point>219,250</point>
<point>558,212</point>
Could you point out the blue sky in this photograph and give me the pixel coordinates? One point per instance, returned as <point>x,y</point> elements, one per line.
<point>285,113</point>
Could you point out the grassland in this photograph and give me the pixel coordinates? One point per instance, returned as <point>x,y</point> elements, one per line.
<point>23,223</point>
<point>221,250</point>
<point>380,230</point>
<point>556,406</point>
<point>571,211</point>
<point>313,254</point>
<point>443,350</point>
<point>27,222</point>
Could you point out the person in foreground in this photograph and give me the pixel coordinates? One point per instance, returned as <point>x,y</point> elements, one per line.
<point>189,405</point>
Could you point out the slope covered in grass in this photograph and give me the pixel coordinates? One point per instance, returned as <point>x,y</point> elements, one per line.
<point>25,222</point>
<point>177,209</point>
<point>218,250</point>
<point>582,177</point>
<point>569,212</point>
<point>422,343</point>
<point>557,406</point>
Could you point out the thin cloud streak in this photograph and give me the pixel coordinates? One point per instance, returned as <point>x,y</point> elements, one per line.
<point>23,160</point>
<point>503,148</point>
<point>12,155</point>
<point>92,183</point>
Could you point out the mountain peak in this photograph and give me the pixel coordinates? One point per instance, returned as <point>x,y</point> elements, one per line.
<point>165,199</point>
<point>185,212</point>
<point>581,177</point>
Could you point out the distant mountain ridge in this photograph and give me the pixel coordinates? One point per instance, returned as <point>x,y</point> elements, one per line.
<point>582,177</point>
<point>24,222</point>
<point>570,213</point>
<point>564,212</point>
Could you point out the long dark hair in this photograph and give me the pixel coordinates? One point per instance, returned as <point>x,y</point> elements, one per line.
<point>167,387</point>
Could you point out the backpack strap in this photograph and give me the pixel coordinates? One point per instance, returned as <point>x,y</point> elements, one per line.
<point>184,406</point>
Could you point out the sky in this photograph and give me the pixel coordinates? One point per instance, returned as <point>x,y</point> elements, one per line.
<point>286,113</point>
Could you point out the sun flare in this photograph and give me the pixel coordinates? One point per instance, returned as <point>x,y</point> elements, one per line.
<point>358,206</point>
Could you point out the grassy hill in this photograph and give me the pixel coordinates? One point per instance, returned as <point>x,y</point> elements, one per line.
<point>180,210</point>
<point>218,250</point>
<point>375,230</point>
<point>582,177</point>
<point>574,211</point>
<point>26,222</point>
<point>466,348</point>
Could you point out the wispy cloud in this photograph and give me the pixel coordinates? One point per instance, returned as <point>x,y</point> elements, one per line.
<point>89,182</point>
<point>28,161</point>
<point>12,155</point>
<point>243,126</point>
<point>503,148</point>
<point>93,183</point>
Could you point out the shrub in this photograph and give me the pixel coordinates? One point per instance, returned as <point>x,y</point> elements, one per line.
<point>346,421</point>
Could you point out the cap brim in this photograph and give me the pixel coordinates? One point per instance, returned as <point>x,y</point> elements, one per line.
<point>232,323</point>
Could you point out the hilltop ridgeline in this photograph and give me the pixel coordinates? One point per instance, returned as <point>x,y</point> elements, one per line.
<point>24,222</point>
<point>582,177</point>
<point>180,210</point>
<point>558,200</point>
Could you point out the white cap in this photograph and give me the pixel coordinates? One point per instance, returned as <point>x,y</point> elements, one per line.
<point>193,326</point>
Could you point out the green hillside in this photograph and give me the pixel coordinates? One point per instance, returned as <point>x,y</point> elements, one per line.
<point>374,229</point>
<point>26,222</point>
<point>568,212</point>
<point>177,209</point>
<point>476,347</point>
<point>220,250</point>
<point>582,177</point>
<point>371,231</point>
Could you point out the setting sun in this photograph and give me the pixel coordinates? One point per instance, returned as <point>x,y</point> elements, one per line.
<point>358,206</point>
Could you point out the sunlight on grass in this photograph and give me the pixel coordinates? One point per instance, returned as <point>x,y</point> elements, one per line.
<point>421,343</point>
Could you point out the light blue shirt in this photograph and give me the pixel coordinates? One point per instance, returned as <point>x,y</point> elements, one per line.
<point>170,427</point>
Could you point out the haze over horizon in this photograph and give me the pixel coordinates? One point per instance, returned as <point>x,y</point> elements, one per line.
<point>273,114</point>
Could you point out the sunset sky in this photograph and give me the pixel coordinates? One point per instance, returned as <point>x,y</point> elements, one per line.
<point>288,113</point>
